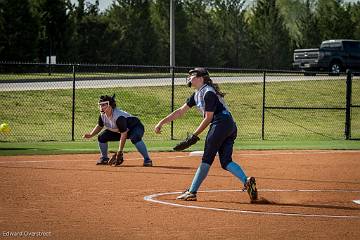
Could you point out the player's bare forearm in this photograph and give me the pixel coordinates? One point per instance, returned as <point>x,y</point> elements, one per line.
<point>204,123</point>
<point>171,117</point>
<point>95,131</point>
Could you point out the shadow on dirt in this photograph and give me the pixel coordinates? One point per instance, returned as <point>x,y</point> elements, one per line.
<point>264,201</point>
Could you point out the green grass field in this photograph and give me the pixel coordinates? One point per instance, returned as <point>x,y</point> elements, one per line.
<point>39,117</point>
<point>27,148</point>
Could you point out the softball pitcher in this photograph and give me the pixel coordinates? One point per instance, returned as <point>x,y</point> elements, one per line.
<point>221,135</point>
<point>119,126</point>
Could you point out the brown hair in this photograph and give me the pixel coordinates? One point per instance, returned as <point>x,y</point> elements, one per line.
<point>209,82</point>
<point>111,100</point>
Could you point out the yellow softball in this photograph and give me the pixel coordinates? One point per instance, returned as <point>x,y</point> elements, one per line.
<point>5,128</point>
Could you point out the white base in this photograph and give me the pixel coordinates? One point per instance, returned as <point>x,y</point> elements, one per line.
<point>356,201</point>
<point>198,153</point>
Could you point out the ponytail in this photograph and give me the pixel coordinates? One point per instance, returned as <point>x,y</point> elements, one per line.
<point>209,82</point>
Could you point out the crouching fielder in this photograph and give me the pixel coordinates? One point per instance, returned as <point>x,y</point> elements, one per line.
<point>221,135</point>
<point>119,126</point>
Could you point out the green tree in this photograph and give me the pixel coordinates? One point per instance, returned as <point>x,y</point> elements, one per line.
<point>19,31</point>
<point>272,43</point>
<point>80,10</point>
<point>94,44</point>
<point>292,10</point>
<point>354,10</point>
<point>334,20</point>
<point>203,34</point>
<point>160,15</point>
<point>234,43</point>
<point>89,40</point>
<point>55,28</point>
<point>307,24</point>
<point>134,37</point>
<point>2,28</point>
<point>160,19</point>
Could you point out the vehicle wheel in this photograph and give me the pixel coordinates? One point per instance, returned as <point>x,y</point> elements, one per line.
<point>335,69</point>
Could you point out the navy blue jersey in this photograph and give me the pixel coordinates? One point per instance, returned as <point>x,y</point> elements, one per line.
<point>206,100</point>
<point>120,121</point>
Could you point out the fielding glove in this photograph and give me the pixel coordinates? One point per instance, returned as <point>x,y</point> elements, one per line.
<point>117,159</point>
<point>190,140</point>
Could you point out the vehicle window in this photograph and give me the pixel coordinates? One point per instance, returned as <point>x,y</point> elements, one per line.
<point>331,46</point>
<point>352,46</point>
<point>335,46</point>
<point>325,45</point>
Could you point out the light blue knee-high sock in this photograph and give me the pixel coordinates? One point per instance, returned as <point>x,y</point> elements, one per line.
<point>141,147</point>
<point>199,177</point>
<point>103,149</point>
<point>236,170</point>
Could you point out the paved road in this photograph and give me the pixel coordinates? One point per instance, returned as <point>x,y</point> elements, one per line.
<point>105,83</point>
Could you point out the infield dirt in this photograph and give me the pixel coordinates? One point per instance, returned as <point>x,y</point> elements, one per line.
<point>70,197</point>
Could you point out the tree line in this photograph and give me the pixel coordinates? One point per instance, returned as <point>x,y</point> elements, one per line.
<point>217,33</point>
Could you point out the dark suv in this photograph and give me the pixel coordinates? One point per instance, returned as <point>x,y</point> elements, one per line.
<point>333,56</point>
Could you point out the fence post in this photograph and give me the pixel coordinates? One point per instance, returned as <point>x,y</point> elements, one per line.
<point>263,108</point>
<point>348,105</point>
<point>172,70</point>
<point>73,105</point>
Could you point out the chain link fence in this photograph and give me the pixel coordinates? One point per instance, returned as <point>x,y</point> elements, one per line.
<point>355,107</point>
<point>312,107</point>
<point>59,102</point>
